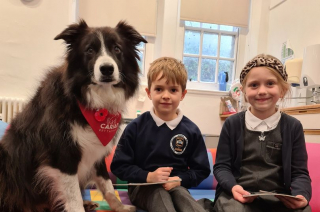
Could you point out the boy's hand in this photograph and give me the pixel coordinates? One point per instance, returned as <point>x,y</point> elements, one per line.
<point>169,186</point>
<point>161,174</point>
<point>293,203</point>
<point>238,192</point>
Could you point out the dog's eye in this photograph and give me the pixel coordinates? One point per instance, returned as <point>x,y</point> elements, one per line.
<point>90,51</point>
<point>117,49</point>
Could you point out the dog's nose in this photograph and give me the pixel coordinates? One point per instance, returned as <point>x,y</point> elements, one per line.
<point>106,69</point>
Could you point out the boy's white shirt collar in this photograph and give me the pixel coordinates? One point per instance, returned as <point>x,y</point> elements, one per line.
<point>171,124</point>
<point>256,124</point>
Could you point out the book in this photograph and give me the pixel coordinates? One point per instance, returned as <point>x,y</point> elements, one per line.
<point>143,184</point>
<point>269,193</point>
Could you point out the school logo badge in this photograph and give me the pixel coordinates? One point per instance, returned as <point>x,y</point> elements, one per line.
<point>178,144</point>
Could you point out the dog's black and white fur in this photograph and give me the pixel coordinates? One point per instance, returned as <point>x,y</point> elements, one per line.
<point>50,153</point>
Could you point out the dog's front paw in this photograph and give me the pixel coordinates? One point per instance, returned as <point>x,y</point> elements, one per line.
<point>89,205</point>
<point>127,208</point>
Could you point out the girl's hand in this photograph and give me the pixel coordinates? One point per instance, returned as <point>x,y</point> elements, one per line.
<point>169,186</point>
<point>293,203</point>
<point>159,175</point>
<point>238,192</point>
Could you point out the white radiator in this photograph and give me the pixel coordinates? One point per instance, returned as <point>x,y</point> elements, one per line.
<point>9,107</point>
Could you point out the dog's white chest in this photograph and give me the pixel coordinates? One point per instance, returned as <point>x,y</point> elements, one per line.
<point>92,150</point>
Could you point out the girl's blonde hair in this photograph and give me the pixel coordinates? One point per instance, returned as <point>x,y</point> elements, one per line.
<point>171,69</point>
<point>264,60</point>
<point>280,74</point>
<point>284,86</point>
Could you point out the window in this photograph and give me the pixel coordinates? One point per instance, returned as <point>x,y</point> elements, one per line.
<point>142,50</point>
<point>208,50</point>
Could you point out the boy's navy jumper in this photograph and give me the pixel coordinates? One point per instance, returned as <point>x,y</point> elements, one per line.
<point>144,147</point>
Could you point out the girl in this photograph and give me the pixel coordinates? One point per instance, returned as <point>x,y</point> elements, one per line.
<point>262,148</point>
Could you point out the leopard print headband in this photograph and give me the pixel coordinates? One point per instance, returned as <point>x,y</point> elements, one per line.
<point>264,60</point>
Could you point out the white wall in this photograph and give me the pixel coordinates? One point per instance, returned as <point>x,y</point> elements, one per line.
<point>254,38</point>
<point>27,47</point>
<point>297,21</point>
<point>201,107</point>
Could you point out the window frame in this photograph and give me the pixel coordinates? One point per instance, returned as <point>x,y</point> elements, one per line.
<point>143,52</point>
<point>213,86</point>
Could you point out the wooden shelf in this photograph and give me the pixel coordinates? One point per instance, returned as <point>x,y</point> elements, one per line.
<point>311,132</point>
<point>301,110</point>
<point>224,108</point>
<point>223,117</point>
<point>306,109</point>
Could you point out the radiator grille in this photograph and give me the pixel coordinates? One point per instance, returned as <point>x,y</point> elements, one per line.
<point>9,107</point>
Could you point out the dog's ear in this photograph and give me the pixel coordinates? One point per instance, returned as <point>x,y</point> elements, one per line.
<point>129,33</point>
<point>70,34</point>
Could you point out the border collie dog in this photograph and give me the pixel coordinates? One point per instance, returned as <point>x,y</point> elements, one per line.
<point>58,143</point>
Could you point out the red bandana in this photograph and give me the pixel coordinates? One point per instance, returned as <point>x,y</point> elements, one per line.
<point>103,123</point>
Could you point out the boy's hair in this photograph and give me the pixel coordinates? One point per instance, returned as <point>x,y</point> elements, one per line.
<point>172,69</point>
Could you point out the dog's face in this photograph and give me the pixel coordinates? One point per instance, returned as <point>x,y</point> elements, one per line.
<point>102,56</point>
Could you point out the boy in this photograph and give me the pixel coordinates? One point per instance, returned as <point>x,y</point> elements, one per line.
<point>163,145</point>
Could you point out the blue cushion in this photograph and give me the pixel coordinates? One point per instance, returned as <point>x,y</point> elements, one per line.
<point>202,193</point>
<point>3,127</point>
